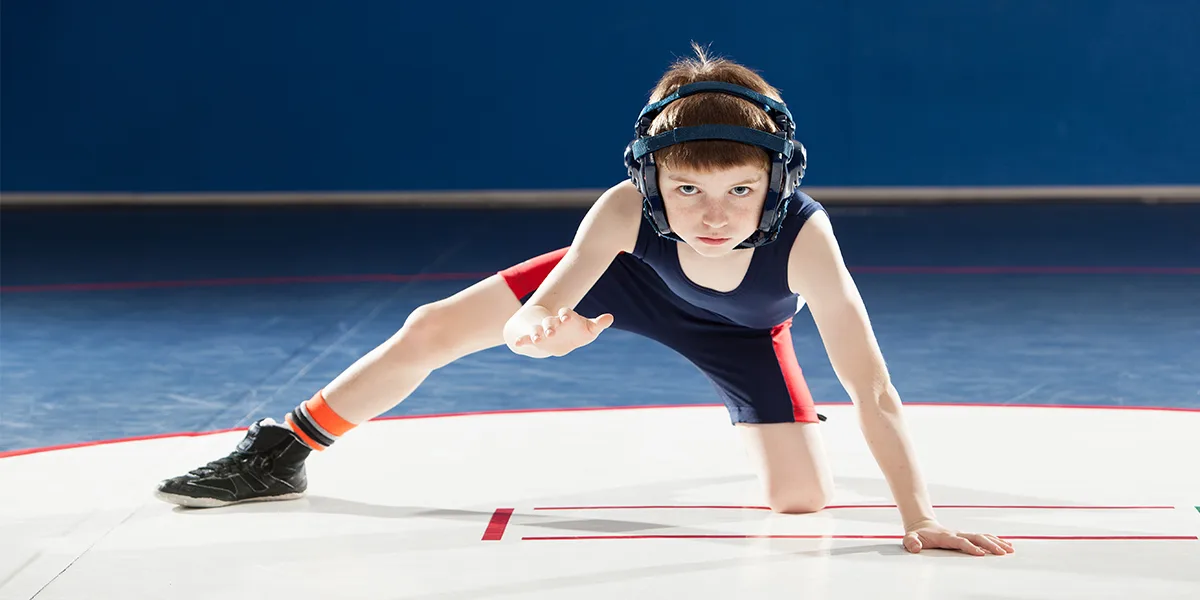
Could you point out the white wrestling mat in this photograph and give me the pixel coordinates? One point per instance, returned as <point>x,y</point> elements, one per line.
<point>655,503</point>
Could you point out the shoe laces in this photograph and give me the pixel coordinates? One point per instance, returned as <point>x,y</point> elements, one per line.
<point>224,464</point>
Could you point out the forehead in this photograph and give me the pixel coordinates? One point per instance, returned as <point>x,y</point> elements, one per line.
<point>739,174</point>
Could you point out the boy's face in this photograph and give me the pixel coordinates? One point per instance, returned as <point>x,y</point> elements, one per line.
<point>713,211</point>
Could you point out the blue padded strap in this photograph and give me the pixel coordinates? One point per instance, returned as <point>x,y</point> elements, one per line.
<point>733,133</point>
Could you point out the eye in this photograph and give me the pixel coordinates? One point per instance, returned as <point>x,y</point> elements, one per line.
<point>687,190</point>
<point>745,190</point>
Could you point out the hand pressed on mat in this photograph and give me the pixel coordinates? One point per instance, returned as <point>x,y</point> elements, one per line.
<point>931,535</point>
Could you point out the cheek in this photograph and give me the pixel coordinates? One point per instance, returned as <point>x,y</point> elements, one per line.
<point>679,208</point>
<point>749,211</point>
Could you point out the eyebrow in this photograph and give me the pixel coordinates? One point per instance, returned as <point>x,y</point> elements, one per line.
<point>743,182</point>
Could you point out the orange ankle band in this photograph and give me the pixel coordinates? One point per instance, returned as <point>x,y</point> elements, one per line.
<point>316,424</point>
<point>324,416</point>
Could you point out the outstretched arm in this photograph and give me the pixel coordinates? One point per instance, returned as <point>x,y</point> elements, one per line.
<point>818,273</point>
<point>547,324</point>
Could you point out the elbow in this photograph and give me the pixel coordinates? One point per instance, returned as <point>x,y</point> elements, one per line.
<point>879,394</point>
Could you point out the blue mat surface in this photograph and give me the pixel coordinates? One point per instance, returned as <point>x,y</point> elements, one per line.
<point>128,322</point>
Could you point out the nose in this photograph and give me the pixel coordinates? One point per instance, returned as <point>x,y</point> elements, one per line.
<point>715,216</point>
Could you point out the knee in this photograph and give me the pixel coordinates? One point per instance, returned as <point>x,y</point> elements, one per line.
<point>798,501</point>
<point>424,330</point>
<point>426,323</point>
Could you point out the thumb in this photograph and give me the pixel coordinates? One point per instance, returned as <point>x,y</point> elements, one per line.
<point>912,543</point>
<point>600,323</point>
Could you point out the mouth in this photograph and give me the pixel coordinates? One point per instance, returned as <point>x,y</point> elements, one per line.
<point>713,241</point>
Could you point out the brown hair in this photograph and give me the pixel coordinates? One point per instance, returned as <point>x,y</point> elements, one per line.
<point>711,109</point>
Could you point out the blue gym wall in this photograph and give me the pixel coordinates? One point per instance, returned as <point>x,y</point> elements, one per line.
<point>246,96</point>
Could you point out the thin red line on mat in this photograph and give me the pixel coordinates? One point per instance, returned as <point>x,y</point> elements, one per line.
<point>840,537</point>
<point>853,506</point>
<point>1028,270</point>
<point>389,277</point>
<point>232,281</point>
<point>25,451</point>
<point>495,528</point>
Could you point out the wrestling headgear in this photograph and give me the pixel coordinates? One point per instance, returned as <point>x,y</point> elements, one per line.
<point>788,156</point>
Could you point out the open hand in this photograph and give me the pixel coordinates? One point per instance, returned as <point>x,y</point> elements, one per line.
<point>558,335</point>
<point>929,534</point>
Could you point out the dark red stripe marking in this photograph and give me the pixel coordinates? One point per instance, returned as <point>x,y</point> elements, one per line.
<point>851,506</point>
<point>843,537</point>
<point>495,528</point>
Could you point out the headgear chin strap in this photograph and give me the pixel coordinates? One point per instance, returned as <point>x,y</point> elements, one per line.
<point>788,157</point>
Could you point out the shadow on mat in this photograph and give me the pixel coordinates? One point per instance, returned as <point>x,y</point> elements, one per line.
<point>339,506</point>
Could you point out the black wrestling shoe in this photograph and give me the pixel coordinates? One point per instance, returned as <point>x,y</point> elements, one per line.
<point>268,464</point>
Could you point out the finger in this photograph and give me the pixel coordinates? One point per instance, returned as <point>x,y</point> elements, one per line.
<point>524,340</point>
<point>986,543</point>
<point>600,323</point>
<point>1008,547</point>
<point>564,314</point>
<point>548,324</point>
<point>966,546</point>
<point>537,334</point>
<point>912,543</point>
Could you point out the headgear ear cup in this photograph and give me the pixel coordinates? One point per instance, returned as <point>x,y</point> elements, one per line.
<point>644,175</point>
<point>634,169</point>
<point>795,168</point>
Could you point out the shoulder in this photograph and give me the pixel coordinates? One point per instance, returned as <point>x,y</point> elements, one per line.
<point>614,220</point>
<point>622,198</point>
<point>815,237</point>
<point>815,259</point>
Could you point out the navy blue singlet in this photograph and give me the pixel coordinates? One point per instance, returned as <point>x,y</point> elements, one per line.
<point>740,339</point>
<point>763,299</point>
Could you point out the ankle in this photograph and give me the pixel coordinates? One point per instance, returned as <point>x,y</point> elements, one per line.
<point>316,424</point>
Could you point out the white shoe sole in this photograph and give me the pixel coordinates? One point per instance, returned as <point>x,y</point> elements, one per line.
<point>189,502</point>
